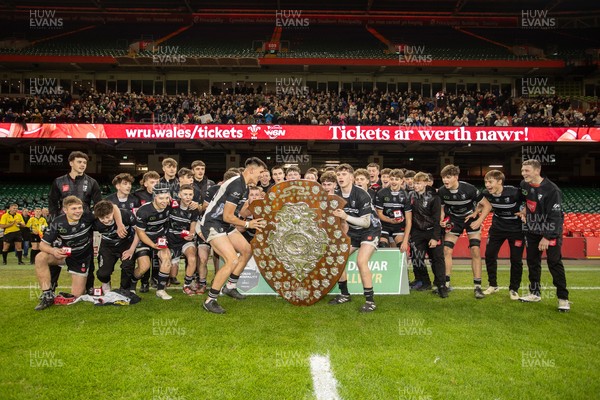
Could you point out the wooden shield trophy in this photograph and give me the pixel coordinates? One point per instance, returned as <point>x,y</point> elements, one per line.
<point>303,250</point>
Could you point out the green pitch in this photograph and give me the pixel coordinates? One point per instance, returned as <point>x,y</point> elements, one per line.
<point>411,347</point>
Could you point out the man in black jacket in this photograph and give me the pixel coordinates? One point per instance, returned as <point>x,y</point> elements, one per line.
<point>426,234</point>
<point>75,183</point>
<point>544,227</point>
<point>201,182</point>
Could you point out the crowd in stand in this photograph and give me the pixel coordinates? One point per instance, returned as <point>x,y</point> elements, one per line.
<point>314,108</point>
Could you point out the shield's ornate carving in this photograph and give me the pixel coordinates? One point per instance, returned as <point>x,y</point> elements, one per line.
<point>303,250</point>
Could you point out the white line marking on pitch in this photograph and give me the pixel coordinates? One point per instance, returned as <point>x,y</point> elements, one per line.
<point>547,287</point>
<point>504,269</point>
<point>324,383</point>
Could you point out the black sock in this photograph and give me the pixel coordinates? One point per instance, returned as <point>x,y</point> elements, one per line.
<point>54,275</point>
<point>20,256</point>
<point>134,281</point>
<point>155,270</point>
<point>145,278</point>
<point>188,280</point>
<point>213,294</point>
<point>447,278</point>
<point>369,293</point>
<point>162,280</point>
<point>32,255</point>
<point>4,255</point>
<point>477,282</point>
<point>232,281</point>
<point>343,285</point>
<point>202,281</point>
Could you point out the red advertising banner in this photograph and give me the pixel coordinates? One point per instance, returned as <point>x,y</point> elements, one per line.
<point>592,247</point>
<point>509,134</point>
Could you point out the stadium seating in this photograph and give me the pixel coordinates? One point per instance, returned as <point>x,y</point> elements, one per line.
<point>344,42</point>
<point>227,40</point>
<point>24,195</point>
<point>315,41</point>
<point>556,44</point>
<point>446,43</point>
<point>101,40</point>
<point>581,200</point>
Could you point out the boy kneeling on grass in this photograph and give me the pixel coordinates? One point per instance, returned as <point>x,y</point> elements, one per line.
<point>74,230</point>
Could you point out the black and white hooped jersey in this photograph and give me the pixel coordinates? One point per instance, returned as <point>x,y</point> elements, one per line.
<point>358,204</point>
<point>392,204</point>
<point>231,191</point>
<point>152,221</point>
<point>130,203</point>
<point>505,206</point>
<point>180,219</point>
<point>462,201</point>
<point>78,236</point>
<point>109,232</point>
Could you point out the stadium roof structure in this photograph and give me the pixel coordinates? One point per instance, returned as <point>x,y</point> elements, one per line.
<point>385,26</point>
<point>452,7</point>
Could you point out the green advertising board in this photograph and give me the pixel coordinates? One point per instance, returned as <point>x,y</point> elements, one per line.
<point>389,268</point>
